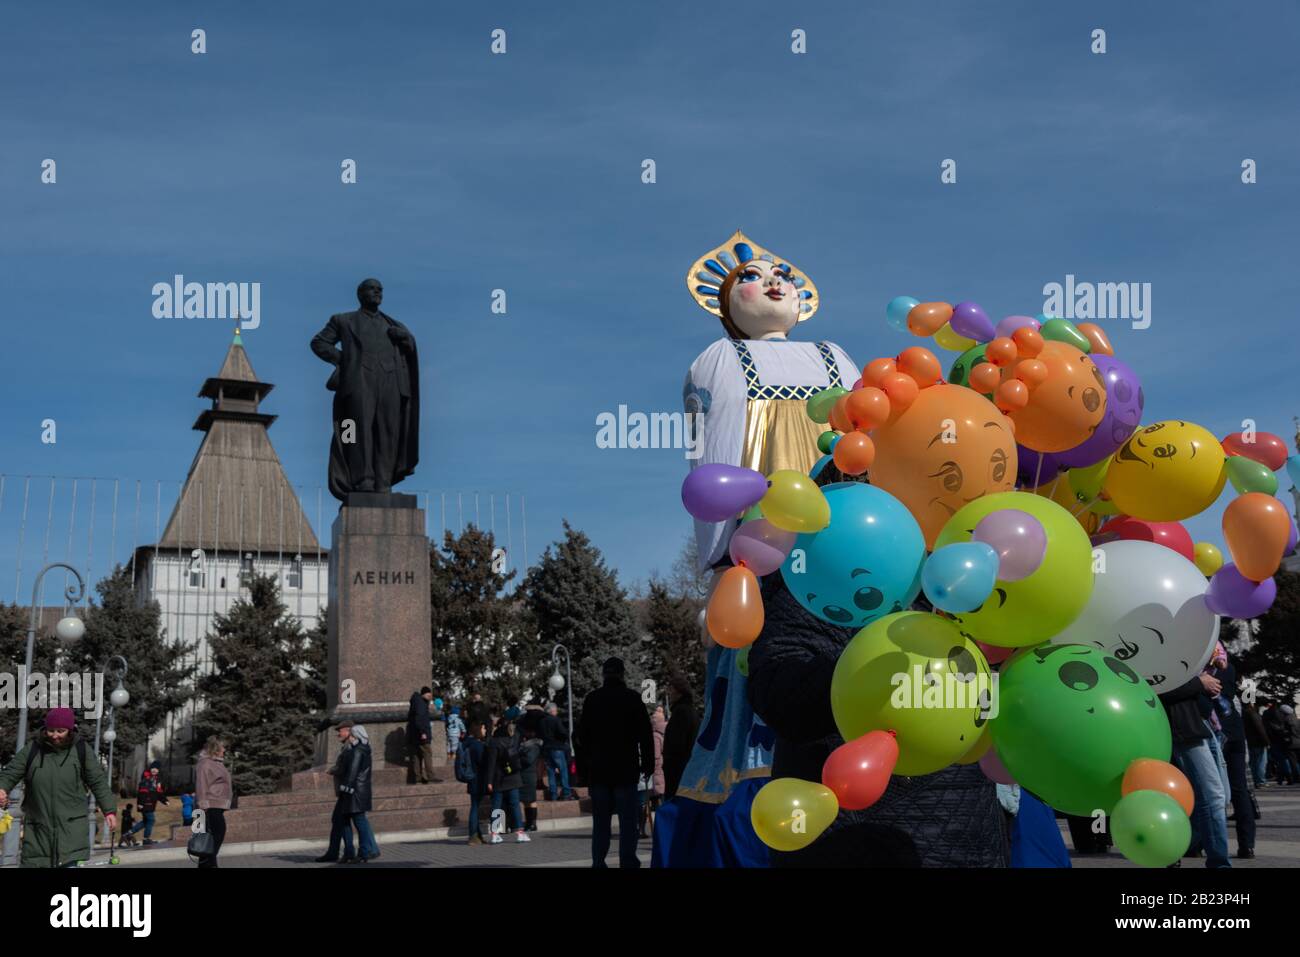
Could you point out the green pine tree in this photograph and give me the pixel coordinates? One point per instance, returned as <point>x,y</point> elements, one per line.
<point>14,621</point>
<point>676,649</point>
<point>574,598</point>
<point>1274,658</point>
<point>477,633</point>
<point>157,678</point>
<point>264,694</point>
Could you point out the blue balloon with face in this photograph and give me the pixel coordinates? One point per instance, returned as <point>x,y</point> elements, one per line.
<point>864,565</point>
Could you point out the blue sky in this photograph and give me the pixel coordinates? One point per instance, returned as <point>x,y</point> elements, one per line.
<point>522,172</point>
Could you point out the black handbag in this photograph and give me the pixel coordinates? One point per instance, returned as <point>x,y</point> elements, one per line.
<point>201,846</point>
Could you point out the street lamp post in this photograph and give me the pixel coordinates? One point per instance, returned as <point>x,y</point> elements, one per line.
<point>69,629</point>
<point>558,680</point>
<point>118,699</point>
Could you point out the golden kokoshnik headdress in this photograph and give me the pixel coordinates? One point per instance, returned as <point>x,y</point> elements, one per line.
<point>711,277</point>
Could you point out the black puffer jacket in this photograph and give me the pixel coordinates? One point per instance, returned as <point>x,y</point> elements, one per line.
<point>948,819</point>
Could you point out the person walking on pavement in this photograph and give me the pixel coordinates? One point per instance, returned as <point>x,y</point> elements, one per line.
<point>148,796</point>
<point>618,749</point>
<point>1279,744</point>
<point>1256,742</point>
<point>340,823</point>
<point>57,769</point>
<point>555,750</point>
<point>679,736</point>
<point>1193,756</point>
<point>419,735</point>
<point>355,793</point>
<point>213,793</point>
<point>502,768</point>
<point>470,769</point>
<point>530,754</point>
<point>1234,752</point>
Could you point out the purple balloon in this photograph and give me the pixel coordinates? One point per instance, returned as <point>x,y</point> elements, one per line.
<point>1290,541</point>
<point>1019,539</point>
<point>761,546</point>
<point>1233,595</point>
<point>717,492</point>
<point>994,769</point>
<point>1027,467</point>
<point>1011,323</point>
<point>969,320</point>
<point>1124,401</point>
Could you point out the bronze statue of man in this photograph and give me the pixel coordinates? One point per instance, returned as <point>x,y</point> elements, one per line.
<point>376,386</point>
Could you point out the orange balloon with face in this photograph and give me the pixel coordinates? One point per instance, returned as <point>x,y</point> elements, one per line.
<point>949,447</point>
<point>1065,408</point>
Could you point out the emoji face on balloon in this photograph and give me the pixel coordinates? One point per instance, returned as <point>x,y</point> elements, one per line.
<point>1038,606</point>
<point>948,448</point>
<point>1070,721</point>
<point>865,564</point>
<point>1066,407</point>
<point>912,673</point>
<point>1166,472</point>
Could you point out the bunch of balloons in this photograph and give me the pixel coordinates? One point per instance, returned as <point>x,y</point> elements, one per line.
<point>1042,522</point>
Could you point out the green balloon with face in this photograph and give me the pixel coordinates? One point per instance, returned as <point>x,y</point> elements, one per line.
<point>913,673</point>
<point>1070,720</point>
<point>1041,605</point>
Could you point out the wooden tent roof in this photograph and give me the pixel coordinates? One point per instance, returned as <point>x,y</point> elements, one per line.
<point>237,495</point>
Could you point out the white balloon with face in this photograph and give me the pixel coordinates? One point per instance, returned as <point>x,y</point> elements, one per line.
<point>763,301</point>
<point>1148,610</point>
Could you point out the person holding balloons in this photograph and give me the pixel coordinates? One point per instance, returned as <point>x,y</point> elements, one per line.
<point>749,390</point>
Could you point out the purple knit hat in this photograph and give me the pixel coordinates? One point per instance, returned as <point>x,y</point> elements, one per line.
<point>60,718</point>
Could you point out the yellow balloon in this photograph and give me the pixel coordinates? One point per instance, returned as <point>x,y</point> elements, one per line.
<point>788,814</point>
<point>794,503</point>
<point>1167,472</point>
<point>981,748</point>
<point>1208,558</point>
<point>945,338</point>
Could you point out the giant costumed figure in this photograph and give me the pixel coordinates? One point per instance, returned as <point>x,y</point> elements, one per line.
<point>749,391</point>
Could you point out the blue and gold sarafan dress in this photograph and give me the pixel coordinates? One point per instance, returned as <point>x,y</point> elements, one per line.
<point>753,395</point>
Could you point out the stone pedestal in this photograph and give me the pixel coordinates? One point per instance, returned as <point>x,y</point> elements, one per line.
<point>378,622</point>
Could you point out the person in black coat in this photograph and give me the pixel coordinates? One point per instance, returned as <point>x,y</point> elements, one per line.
<point>679,736</point>
<point>1234,752</point>
<point>475,747</point>
<point>353,783</point>
<point>947,819</point>
<point>419,735</point>
<point>1187,708</point>
<point>618,748</point>
<point>1257,742</point>
<point>502,770</point>
<point>555,751</point>
<point>1279,743</point>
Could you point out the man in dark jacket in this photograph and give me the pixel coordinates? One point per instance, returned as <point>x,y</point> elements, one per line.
<point>618,749</point>
<point>1279,744</point>
<point>555,750</point>
<point>1234,752</point>
<point>57,773</point>
<point>1257,742</point>
<point>1193,756</point>
<point>947,819</point>
<point>679,736</point>
<point>477,712</point>
<point>419,735</point>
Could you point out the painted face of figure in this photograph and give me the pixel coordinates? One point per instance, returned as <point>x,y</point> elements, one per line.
<point>865,564</point>
<point>1148,610</point>
<point>948,448</point>
<point>763,301</point>
<point>1066,407</point>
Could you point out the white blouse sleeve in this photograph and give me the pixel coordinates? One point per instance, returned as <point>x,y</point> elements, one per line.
<point>716,394</point>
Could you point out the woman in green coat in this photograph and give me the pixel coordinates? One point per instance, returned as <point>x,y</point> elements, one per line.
<point>56,771</point>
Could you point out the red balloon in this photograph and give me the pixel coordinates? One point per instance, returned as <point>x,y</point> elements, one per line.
<point>1169,534</point>
<point>858,771</point>
<point>1267,448</point>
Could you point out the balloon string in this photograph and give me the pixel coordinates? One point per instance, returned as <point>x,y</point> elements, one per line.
<point>1038,471</point>
<point>1052,490</point>
<point>1086,505</point>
